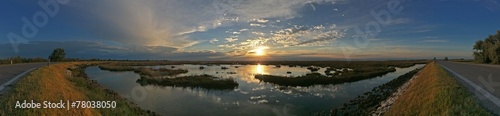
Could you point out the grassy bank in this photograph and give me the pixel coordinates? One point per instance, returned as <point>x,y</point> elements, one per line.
<point>56,83</point>
<point>369,101</point>
<point>435,92</point>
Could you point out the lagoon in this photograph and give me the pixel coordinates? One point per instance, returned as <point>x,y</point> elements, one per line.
<point>251,97</point>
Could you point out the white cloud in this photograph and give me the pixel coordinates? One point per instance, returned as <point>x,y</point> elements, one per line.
<point>399,21</point>
<point>261,34</point>
<point>231,39</point>
<point>434,41</point>
<point>168,22</point>
<point>236,32</point>
<point>242,30</point>
<point>260,9</point>
<point>319,27</point>
<point>296,36</point>
<point>259,20</point>
<point>213,40</point>
<point>257,25</point>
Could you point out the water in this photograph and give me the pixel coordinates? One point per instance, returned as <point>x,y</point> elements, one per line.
<point>252,97</point>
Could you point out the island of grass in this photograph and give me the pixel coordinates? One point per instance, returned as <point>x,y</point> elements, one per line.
<point>201,81</point>
<point>148,72</point>
<point>158,77</point>
<point>318,79</point>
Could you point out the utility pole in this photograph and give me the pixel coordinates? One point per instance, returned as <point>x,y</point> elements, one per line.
<point>48,63</point>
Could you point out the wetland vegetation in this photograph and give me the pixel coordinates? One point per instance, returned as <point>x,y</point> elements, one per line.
<point>319,79</point>
<point>202,81</point>
<point>337,72</point>
<point>164,77</point>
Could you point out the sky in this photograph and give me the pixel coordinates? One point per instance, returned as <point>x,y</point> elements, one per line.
<point>246,30</point>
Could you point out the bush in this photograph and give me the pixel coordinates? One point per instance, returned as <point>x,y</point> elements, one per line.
<point>57,55</point>
<point>488,50</point>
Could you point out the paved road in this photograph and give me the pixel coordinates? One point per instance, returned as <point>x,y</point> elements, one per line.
<point>483,80</point>
<point>8,72</point>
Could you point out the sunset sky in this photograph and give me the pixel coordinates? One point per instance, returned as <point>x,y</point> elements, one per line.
<point>247,30</point>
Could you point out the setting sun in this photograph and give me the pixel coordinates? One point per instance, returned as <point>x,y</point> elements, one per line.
<point>260,51</point>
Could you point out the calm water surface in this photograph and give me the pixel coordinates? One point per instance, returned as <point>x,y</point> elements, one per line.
<point>252,97</point>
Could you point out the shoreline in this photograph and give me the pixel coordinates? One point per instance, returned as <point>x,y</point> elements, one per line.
<point>385,105</point>
<point>436,92</point>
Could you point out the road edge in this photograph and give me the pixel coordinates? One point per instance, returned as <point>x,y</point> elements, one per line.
<point>3,86</point>
<point>479,92</point>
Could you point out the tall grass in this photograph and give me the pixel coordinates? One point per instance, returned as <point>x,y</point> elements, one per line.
<point>201,81</point>
<point>435,92</point>
<point>144,72</point>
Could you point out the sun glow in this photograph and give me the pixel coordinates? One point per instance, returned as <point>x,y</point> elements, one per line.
<point>260,51</point>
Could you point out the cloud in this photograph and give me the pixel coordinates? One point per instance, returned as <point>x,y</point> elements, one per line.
<point>168,22</point>
<point>88,50</point>
<point>434,41</point>
<point>295,36</point>
<point>260,34</point>
<point>236,32</point>
<point>159,28</point>
<point>242,30</point>
<point>323,37</point>
<point>259,20</point>
<point>231,39</point>
<point>141,23</point>
<point>315,36</point>
<point>422,30</point>
<point>399,21</point>
<point>213,40</point>
<point>257,25</point>
<point>430,37</point>
<point>259,9</point>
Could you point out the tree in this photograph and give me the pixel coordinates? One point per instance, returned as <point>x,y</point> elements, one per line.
<point>446,59</point>
<point>57,55</point>
<point>488,50</point>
